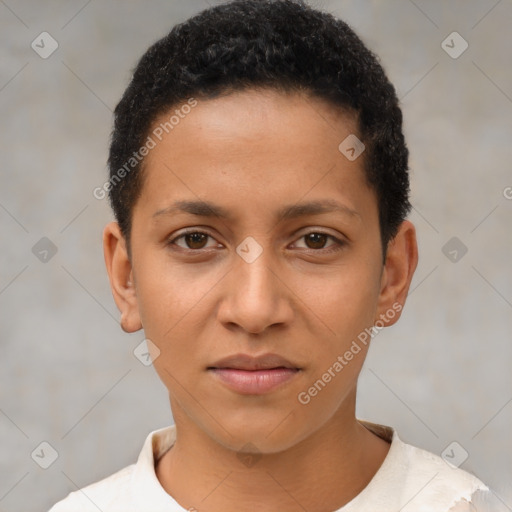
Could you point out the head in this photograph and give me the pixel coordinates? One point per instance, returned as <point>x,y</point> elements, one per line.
<point>261,211</point>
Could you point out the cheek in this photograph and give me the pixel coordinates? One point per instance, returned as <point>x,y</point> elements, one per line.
<point>340,304</point>
<point>169,294</point>
<point>175,306</point>
<point>346,306</point>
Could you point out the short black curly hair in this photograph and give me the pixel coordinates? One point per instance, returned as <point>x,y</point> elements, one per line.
<point>282,44</point>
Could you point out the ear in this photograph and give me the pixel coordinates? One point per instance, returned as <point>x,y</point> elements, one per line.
<point>120,274</point>
<point>401,262</point>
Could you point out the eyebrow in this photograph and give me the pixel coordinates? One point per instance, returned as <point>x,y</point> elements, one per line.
<point>208,209</point>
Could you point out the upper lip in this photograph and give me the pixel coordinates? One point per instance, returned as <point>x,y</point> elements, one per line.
<point>247,362</point>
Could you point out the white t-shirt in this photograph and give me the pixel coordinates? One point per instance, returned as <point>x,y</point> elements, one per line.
<point>409,480</point>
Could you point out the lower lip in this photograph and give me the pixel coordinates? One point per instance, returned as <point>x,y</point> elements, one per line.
<point>254,382</point>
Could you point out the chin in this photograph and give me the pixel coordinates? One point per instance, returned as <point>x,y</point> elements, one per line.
<point>259,432</point>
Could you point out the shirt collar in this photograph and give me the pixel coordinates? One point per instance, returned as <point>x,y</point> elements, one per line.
<point>394,485</point>
<point>145,483</point>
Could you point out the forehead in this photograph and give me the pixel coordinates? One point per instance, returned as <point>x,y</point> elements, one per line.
<point>247,113</point>
<point>254,149</point>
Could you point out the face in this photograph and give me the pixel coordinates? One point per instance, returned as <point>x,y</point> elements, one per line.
<point>256,264</point>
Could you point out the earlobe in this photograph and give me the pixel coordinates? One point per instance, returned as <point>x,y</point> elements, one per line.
<point>120,274</point>
<point>401,262</point>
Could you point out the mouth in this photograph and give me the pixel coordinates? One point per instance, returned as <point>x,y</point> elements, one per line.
<point>249,375</point>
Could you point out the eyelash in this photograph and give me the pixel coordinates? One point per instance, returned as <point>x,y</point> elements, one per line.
<point>339,244</point>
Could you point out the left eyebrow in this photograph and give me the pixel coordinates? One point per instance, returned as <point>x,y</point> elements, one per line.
<point>315,208</point>
<point>208,209</point>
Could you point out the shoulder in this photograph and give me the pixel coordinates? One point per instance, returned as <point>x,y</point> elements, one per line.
<point>412,479</point>
<point>99,495</point>
<point>433,481</point>
<point>425,463</point>
<point>132,488</point>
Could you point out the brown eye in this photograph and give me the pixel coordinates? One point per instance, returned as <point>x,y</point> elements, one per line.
<point>316,240</point>
<point>195,240</point>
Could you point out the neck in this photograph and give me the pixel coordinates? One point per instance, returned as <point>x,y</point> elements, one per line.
<point>321,473</point>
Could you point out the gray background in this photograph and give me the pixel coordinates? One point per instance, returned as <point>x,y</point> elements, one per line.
<point>68,375</point>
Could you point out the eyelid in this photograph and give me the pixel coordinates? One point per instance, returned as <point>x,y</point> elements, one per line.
<point>339,242</point>
<point>203,231</point>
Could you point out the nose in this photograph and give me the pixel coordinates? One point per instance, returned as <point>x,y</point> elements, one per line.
<point>255,296</point>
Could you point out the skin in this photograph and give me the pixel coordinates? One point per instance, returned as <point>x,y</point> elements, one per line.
<point>252,152</point>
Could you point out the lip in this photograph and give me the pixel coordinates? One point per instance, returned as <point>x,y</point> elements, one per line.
<point>250,375</point>
<point>247,362</point>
